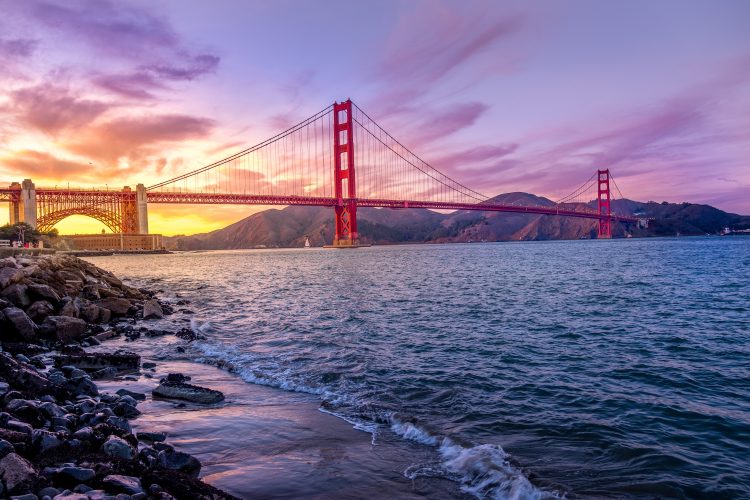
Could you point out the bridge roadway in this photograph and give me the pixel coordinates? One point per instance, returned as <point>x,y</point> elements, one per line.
<point>186,198</point>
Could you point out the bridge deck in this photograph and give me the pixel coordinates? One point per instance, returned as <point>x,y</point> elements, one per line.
<point>166,197</point>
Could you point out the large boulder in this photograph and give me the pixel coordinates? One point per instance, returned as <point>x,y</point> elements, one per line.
<point>22,376</point>
<point>44,292</point>
<point>123,484</point>
<point>117,306</point>
<point>17,294</point>
<point>94,361</point>
<point>179,461</point>
<point>40,310</point>
<point>90,313</point>
<point>21,325</point>
<point>10,275</point>
<point>152,310</point>
<point>118,448</point>
<point>180,390</point>
<point>63,328</point>
<point>69,308</point>
<point>17,473</point>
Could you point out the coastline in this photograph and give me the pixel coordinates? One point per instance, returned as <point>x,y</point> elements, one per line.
<point>91,427</point>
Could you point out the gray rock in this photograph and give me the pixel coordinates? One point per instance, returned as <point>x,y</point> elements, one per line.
<point>10,275</point>
<point>117,306</point>
<point>84,433</point>
<point>45,441</point>
<point>17,294</point>
<point>20,323</point>
<point>118,448</point>
<point>16,472</point>
<point>69,308</point>
<point>90,313</point>
<point>4,388</point>
<point>152,437</point>
<point>187,392</point>
<point>48,492</point>
<point>51,410</point>
<point>63,328</point>
<point>105,374</point>
<point>120,360</point>
<point>120,423</point>
<point>40,310</point>
<point>77,474</point>
<point>5,448</point>
<point>123,484</point>
<point>177,460</point>
<point>139,396</point>
<point>148,365</point>
<point>44,292</point>
<point>152,310</point>
<point>27,496</point>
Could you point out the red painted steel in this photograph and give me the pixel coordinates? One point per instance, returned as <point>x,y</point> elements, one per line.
<point>343,170</point>
<point>305,160</point>
<point>240,199</point>
<point>603,204</point>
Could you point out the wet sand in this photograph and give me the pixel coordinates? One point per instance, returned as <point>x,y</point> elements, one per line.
<point>263,442</point>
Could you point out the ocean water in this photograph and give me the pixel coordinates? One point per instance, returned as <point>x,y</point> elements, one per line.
<point>528,370</point>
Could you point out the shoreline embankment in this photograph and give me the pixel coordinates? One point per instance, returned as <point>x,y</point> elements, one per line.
<point>60,435</point>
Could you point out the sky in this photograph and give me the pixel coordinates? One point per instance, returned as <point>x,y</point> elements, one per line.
<point>502,96</point>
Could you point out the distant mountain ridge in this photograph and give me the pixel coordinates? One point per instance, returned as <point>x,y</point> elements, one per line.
<point>288,227</point>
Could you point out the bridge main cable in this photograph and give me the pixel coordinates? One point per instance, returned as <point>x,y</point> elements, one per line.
<point>251,149</point>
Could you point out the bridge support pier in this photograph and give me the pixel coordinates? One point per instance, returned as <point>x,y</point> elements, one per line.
<point>14,207</point>
<point>345,187</point>
<point>28,203</point>
<point>141,203</point>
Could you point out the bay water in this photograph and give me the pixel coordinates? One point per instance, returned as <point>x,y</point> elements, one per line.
<point>520,370</point>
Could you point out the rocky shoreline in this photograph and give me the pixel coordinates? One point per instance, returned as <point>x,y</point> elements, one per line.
<point>60,438</point>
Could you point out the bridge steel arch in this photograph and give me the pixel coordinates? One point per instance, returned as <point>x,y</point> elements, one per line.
<point>115,209</point>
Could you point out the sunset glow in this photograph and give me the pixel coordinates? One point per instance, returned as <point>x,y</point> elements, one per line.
<point>512,98</point>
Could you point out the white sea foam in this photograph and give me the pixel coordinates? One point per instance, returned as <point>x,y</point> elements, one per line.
<point>200,326</point>
<point>483,470</point>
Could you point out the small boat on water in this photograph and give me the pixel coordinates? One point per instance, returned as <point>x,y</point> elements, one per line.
<point>307,242</point>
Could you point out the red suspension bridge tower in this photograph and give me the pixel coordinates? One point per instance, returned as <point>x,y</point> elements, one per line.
<point>345,184</point>
<point>603,203</point>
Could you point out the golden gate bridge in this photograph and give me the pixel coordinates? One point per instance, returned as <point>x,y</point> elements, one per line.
<point>339,157</point>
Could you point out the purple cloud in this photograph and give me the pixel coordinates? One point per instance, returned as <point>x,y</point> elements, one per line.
<point>17,48</point>
<point>446,122</point>
<point>131,34</point>
<point>137,85</point>
<point>474,155</point>
<point>427,55</point>
<point>191,68</point>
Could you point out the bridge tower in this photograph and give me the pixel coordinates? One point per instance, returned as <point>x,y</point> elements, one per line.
<point>28,203</point>
<point>15,213</point>
<point>141,203</point>
<point>605,225</point>
<point>345,187</point>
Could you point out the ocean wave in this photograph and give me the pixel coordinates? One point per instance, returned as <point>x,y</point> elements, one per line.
<point>482,470</point>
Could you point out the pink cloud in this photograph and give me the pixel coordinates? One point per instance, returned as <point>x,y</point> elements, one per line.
<point>51,108</point>
<point>134,136</point>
